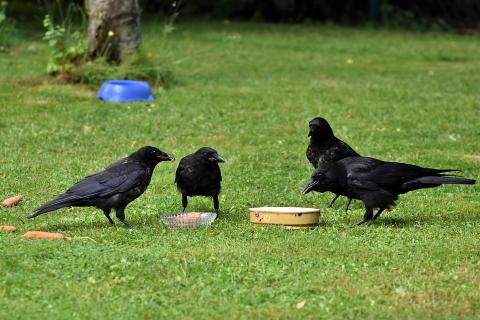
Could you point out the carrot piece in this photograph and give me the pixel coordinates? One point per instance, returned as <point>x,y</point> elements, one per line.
<point>12,201</point>
<point>43,235</point>
<point>8,228</point>
<point>188,217</point>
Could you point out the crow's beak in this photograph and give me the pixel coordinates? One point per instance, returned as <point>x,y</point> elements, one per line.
<point>166,157</point>
<point>217,158</point>
<point>309,186</point>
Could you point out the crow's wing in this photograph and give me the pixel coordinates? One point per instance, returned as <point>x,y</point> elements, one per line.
<point>386,174</point>
<point>187,171</point>
<point>181,170</point>
<point>187,175</point>
<point>115,179</point>
<point>364,184</point>
<point>394,174</point>
<point>219,173</point>
<point>178,173</point>
<point>356,167</point>
<point>345,150</point>
<point>360,173</point>
<point>372,194</point>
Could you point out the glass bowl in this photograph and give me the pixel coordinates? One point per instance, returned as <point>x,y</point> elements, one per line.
<point>189,219</point>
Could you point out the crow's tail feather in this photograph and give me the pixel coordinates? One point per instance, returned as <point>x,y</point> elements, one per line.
<point>446,180</point>
<point>433,181</point>
<point>61,201</point>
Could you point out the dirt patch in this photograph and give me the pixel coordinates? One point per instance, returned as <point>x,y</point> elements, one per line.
<point>472,157</point>
<point>35,82</point>
<point>241,91</point>
<point>83,92</point>
<point>36,101</point>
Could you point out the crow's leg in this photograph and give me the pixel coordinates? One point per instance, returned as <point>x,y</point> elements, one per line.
<point>121,216</point>
<point>333,200</point>
<point>348,204</point>
<point>106,212</point>
<point>184,201</point>
<point>215,203</point>
<point>367,216</point>
<point>377,214</point>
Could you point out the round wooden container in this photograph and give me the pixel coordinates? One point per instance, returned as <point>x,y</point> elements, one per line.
<point>288,216</point>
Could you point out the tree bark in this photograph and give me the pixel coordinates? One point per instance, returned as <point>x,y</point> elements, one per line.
<point>113,28</point>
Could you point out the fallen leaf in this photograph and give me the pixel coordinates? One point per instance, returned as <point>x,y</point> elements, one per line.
<point>343,234</point>
<point>349,61</point>
<point>86,128</point>
<point>452,137</point>
<point>301,304</point>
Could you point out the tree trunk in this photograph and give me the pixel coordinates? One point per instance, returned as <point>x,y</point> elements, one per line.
<point>113,27</point>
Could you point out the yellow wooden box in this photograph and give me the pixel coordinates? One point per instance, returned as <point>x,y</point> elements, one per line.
<point>288,216</point>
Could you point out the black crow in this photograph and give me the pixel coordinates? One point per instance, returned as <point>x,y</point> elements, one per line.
<point>198,174</point>
<point>113,188</point>
<point>376,183</point>
<point>325,147</point>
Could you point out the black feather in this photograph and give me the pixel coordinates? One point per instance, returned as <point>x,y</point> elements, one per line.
<point>198,174</point>
<point>377,183</point>
<point>113,188</point>
<point>324,147</point>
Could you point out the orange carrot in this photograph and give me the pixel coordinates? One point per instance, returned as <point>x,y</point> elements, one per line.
<point>12,201</point>
<point>43,235</point>
<point>188,217</point>
<point>8,228</point>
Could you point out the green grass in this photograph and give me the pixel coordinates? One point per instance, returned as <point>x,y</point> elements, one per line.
<point>248,90</point>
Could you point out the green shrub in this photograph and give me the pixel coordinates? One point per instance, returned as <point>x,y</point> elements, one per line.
<point>6,27</point>
<point>138,66</point>
<point>70,60</point>
<point>68,46</point>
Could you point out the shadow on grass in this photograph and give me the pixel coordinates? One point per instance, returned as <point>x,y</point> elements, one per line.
<point>78,225</point>
<point>396,222</point>
<point>323,223</point>
<point>153,221</point>
<point>448,219</point>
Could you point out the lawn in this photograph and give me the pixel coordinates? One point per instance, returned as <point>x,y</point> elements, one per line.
<point>248,90</point>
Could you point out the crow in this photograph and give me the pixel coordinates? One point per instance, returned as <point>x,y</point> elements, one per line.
<point>113,188</point>
<point>198,174</point>
<point>325,147</point>
<point>376,183</point>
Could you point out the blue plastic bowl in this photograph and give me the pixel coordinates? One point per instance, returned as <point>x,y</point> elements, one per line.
<point>125,90</point>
